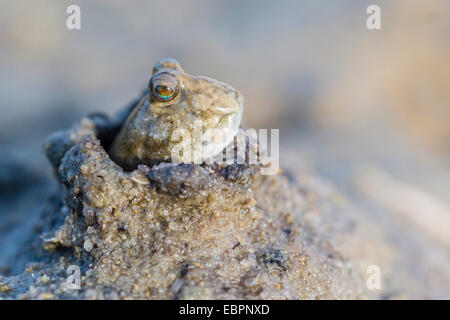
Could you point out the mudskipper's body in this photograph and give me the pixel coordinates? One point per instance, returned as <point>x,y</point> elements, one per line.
<point>179,110</point>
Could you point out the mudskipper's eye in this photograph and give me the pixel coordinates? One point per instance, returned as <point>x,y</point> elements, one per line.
<point>164,92</point>
<point>164,87</point>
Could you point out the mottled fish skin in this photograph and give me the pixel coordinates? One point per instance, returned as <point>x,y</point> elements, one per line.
<point>177,102</point>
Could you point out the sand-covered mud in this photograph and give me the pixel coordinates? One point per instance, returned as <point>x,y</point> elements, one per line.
<point>209,231</point>
<point>181,231</point>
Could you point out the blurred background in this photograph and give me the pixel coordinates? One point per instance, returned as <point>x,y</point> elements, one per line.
<point>367,111</point>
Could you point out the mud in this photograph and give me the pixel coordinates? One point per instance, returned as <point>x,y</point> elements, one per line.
<point>179,231</point>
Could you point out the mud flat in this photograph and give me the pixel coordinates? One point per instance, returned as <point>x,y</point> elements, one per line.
<point>182,231</point>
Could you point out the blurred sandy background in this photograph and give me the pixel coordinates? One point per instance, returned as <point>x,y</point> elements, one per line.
<point>369,111</point>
